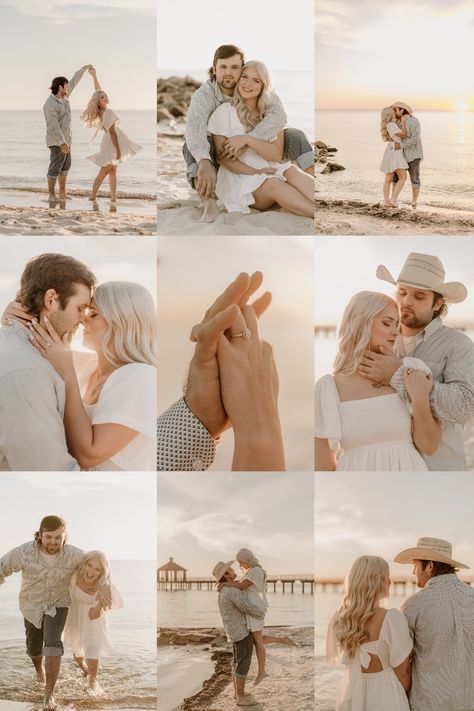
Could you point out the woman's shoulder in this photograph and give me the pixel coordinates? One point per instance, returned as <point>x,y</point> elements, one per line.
<point>134,371</point>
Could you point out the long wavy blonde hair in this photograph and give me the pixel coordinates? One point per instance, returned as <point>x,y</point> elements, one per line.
<point>131,334</point>
<point>365,585</point>
<point>98,555</point>
<point>244,113</point>
<point>386,115</point>
<point>92,115</point>
<point>355,329</point>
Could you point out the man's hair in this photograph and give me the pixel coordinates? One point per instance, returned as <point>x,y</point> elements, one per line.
<point>58,82</point>
<point>49,523</point>
<point>443,309</point>
<point>224,52</point>
<point>52,271</point>
<point>438,568</point>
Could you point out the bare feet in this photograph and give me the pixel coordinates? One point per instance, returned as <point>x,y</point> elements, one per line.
<point>246,700</point>
<point>49,703</point>
<point>82,667</point>
<point>413,205</point>
<point>211,210</point>
<point>260,678</point>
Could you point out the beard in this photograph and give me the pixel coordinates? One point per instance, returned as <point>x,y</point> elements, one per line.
<point>411,321</point>
<point>228,83</point>
<point>62,325</point>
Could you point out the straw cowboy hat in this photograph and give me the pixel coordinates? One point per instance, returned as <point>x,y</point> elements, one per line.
<point>423,271</point>
<point>221,568</point>
<point>402,105</point>
<point>430,549</point>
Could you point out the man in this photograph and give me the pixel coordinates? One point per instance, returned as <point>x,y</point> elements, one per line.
<point>412,148</point>
<point>189,430</point>
<point>441,621</point>
<point>46,564</point>
<point>234,606</point>
<point>57,114</point>
<point>56,288</point>
<point>422,296</point>
<point>198,151</point>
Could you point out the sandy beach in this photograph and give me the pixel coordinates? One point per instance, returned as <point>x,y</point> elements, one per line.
<point>179,211</point>
<point>290,684</point>
<point>355,217</point>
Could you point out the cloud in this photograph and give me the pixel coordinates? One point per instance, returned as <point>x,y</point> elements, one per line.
<point>67,11</point>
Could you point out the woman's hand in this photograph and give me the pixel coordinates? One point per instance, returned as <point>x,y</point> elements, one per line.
<point>418,384</point>
<point>118,155</point>
<point>14,311</point>
<point>56,350</point>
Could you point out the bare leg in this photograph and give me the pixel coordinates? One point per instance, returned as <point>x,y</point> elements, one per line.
<point>98,182</point>
<point>80,663</point>
<point>310,170</point>
<point>301,181</point>
<point>113,183</point>
<point>92,669</point>
<point>279,640</point>
<point>52,188</point>
<point>402,176</point>
<point>62,186</point>
<point>386,189</point>
<point>414,199</point>
<point>52,667</point>
<point>285,195</point>
<point>38,662</point>
<point>241,698</point>
<point>210,211</point>
<point>261,656</point>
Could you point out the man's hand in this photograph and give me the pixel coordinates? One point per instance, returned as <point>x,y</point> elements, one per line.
<point>64,148</point>
<point>203,392</point>
<point>206,179</point>
<point>233,147</point>
<point>379,367</point>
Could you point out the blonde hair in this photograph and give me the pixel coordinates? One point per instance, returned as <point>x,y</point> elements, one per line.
<point>247,556</point>
<point>243,111</point>
<point>365,585</point>
<point>105,577</point>
<point>386,116</point>
<point>355,329</point>
<point>91,115</point>
<point>131,334</point>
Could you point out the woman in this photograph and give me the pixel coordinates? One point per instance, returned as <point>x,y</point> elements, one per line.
<point>360,427</point>
<point>115,146</point>
<point>110,412</point>
<point>256,178</point>
<point>393,161</point>
<point>374,644</point>
<point>86,631</point>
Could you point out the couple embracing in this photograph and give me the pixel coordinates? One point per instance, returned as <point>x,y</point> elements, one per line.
<point>403,383</point>
<point>420,658</point>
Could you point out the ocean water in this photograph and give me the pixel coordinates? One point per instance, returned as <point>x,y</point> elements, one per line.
<point>328,677</point>
<point>25,156</point>
<point>295,89</point>
<point>447,171</point>
<point>128,676</point>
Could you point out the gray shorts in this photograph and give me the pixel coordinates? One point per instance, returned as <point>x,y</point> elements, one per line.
<point>47,640</point>
<point>414,170</point>
<point>243,656</point>
<point>59,162</point>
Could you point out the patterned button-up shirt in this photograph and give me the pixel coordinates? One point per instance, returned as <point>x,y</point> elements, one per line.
<point>441,622</point>
<point>450,357</point>
<point>44,587</point>
<point>412,146</point>
<point>234,605</point>
<point>57,114</point>
<point>32,399</point>
<point>184,444</point>
<point>207,99</point>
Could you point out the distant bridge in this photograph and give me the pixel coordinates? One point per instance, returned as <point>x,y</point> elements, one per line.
<point>400,585</point>
<point>287,583</point>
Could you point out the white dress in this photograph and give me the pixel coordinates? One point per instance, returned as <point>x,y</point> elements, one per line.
<point>107,150</point>
<point>372,434</point>
<point>127,398</point>
<point>393,159</point>
<point>256,595</point>
<point>235,192</point>
<point>378,691</point>
<point>85,637</point>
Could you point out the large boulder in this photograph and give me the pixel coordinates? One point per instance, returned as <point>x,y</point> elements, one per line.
<point>174,96</point>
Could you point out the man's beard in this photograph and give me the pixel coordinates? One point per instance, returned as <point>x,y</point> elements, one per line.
<point>411,321</point>
<point>62,325</point>
<point>228,84</point>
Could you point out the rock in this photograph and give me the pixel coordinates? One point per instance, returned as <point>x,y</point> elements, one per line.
<point>320,144</point>
<point>174,96</point>
<point>331,149</point>
<point>332,168</point>
<point>162,114</point>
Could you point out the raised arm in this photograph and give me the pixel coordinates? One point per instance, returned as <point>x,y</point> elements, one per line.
<point>77,78</point>
<point>93,73</point>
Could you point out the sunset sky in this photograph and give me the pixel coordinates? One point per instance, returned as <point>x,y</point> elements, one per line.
<point>369,54</point>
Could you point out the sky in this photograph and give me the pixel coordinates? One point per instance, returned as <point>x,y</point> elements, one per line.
<point>110,258</point>
<point>189,32</point>
<point>204,518</point>
<point>384,513</point>
<point>41,39</point>
<point>112,512</point>
<point>369,54</point>
<point>193,272</point>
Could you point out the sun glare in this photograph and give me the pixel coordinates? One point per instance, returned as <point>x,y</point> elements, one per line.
<point>462,106</point>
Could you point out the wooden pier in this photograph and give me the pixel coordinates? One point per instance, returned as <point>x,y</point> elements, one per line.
<point>400,585</point>
<point>286,583</point>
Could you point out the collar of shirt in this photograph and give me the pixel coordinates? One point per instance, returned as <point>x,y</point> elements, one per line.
<point>423,335</point>
<point>442,579</point>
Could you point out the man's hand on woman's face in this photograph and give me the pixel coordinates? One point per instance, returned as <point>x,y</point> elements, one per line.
<point>203,392</point>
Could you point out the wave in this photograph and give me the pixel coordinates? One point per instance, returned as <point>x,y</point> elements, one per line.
<point>79,192</point>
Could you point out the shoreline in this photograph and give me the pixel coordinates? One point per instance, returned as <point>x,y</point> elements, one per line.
<point>359,218</point>
<point>290,669</point>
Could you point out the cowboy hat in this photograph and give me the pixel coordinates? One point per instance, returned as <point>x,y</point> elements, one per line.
<point>221,568</point>
<point>402,105</point>
<point>430,549</point>
<point>423,271</point>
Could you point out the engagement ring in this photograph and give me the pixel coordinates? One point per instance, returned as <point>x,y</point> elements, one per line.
<point>245,334</point>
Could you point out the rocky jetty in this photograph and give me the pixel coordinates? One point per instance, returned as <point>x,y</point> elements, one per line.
<point>173,97</point>
<point>324,155</point>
